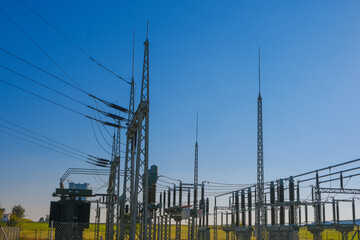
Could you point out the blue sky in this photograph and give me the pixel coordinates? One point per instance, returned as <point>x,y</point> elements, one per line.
<point>203,56</point>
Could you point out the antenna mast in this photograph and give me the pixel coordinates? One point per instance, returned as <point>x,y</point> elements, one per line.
<point>196,176</point>
<point>260,210</point>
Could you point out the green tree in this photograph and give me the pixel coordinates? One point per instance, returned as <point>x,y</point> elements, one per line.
<point>41,220</point>
<point>13,221</point>
<point>18,211</point>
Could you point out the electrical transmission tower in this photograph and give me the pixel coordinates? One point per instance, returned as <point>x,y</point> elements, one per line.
<point>260,206</point>
<point>129,161</point>
<point>137,161</point>
<point>113,191</point>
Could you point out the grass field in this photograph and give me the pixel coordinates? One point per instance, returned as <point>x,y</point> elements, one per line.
<point>41,231</point>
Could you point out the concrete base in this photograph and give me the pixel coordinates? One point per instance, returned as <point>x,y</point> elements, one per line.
<point>204,233</point>
<point>344,229</point>
<point>283,232</point>
<point>243,233</point>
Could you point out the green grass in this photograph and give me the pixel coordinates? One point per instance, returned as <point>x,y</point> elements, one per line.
<point>41,231</point>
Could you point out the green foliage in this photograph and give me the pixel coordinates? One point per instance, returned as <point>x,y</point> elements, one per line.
<point>26,220</point>
<point>13,221</point>
<point>18,211</point>
<point>42,220</point>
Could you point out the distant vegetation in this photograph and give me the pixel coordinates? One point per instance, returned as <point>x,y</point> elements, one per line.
<point>16,217</point>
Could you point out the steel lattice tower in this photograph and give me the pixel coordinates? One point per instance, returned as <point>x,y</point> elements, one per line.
<point>129,160</point>
<point>260,210</point>
<point>140,128</point>
<point>113,187</point>
<point>196,182</point>
<point>117,180</point>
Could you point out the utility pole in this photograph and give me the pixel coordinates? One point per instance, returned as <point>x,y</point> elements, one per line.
<point>260,210</point>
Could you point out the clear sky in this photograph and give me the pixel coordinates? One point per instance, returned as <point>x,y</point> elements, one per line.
<point>203,56</point>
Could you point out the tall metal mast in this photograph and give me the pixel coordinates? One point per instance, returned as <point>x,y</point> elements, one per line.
<point>196,179</point>
<point>260,210</point>
<point>196,167</point>
<point>129,158</point>
<point>117,180</point>
<point>140,124</point>
<point>111,191</point>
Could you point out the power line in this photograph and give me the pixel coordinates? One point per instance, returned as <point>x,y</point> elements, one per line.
<point>42,70</point>
<point>46,54</point>
<point>97,140</point>
<point>97,106</point>
<point>42,141</point>
<point>43,98</point>
<point>41,84</point>
<point>38,134</point>
<point>102,135</point>
<point>72,42</point>
<point>58,78</point>
<point>54,150</point>
<point>38,46</point>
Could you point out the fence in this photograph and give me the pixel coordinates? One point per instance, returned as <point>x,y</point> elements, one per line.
<point>73,231</point>
<point>9,233</point>
<point>61,231</point>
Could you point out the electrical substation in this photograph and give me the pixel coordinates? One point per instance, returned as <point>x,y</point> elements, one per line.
<point>142,203</point>
<point>135,209</point>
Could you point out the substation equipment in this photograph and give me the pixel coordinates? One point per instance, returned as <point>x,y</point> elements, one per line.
<point>261,210</point>
<point>285,216</point>
<point>71,214</point>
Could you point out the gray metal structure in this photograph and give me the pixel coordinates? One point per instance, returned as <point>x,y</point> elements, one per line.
<point>196,181</point>
<point>129,161</point>
<point>137,161</point>
<point>260,210</point>
<point>110,201</point>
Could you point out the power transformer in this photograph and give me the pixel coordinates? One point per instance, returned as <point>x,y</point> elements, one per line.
<point>71,214</point>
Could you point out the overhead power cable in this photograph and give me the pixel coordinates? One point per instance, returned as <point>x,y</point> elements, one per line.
<point>41,84</point>
<point>44,71</point>
<point>72,42</point>
<point>42,50</point>
<point>38,134</point>
<point>230,184</point>
<point>98,114</point>
<point>102,135</point>
<point>38,46</point>
<point>43,98</point>
<point>64,81</point>
<point>40,140</point>
<point>97,140</point>
<point>54,150</point>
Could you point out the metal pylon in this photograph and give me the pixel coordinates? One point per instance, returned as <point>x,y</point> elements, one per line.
<point>140,125</point>
<point>196,181</point>
<point>112,191</point>
<point>129,169</point>
<point>260,210</point>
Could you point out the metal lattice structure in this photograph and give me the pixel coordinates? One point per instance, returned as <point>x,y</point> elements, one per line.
<point>260,210</point>
<point>137,161</point>
<point>129,163</point>
<point>196,181</point>
<point>110,199</point>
